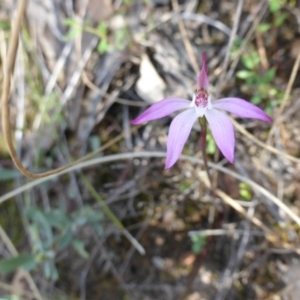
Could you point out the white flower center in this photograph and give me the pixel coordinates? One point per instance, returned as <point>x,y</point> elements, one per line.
<point>201,102</point>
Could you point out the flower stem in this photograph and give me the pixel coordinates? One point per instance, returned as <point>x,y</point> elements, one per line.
<point>200,257</point>
<point>203,125</point>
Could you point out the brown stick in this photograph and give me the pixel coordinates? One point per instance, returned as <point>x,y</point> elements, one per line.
<point>8,72</point>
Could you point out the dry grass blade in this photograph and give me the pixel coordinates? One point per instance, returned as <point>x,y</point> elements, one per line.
<point>220,232</point>
<point>231,39</point>
<point>8,71</point>
<point>133,155</point>
<point>270,234</point>
<point>267,147</point>
<point>112,216</point>
<point>228,200</point>
<point>16,291</point>
<point>186,41</point>
<point>6,240</point>
<point>284,101</point>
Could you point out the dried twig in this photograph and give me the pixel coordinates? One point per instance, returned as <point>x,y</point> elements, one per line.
<point>186,41</point>
<point>8,71</point>
<point>122,156</point>
<point>231,40</point>
<point>6,240</point>
<point>269,148</point>
<point>277,119</point>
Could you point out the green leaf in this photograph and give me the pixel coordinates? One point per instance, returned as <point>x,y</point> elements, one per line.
<point>244,74</point>
<point>33,230</point>
<point>198,243</point>
<point>121,38</point>
<point>256,99</point>
<point>211,145</point>
<point>103,46</point>
<point>50,270</point>
<point>274,6</point>
<point>245,191</point>
<point>250,60</point>
<point>7,174</point>
<point>102,29</point>
<point>94,142</point>
<point>5,25</point>
<point>75,29</point>
<point>79,247</point>
<point>246,195</point>
<point>269,76</point>
<point>236,47</point>
<point>238,42</point>
<point>269,110</point>
<point>87,215</point>
<point>280,19</point>
<point>71,23</point>
<point>64,240</point>
<point>263,27</point>
<point>183,186</point>
<point>11,297</point>
<point>273,92</point>
<point>72,34</point>
<point>26,261</point>
<point>39,219</point>
<point>57,218</point>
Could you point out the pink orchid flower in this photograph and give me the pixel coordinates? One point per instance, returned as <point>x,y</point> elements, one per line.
<point>201,105</point>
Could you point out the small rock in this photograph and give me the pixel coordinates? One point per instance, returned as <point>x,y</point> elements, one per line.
<point>150,86</point>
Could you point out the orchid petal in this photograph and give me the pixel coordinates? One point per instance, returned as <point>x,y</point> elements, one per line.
<point>241,108</point>
<point>161,109</point>
<point>222,131</point>
<point>179,131</point>
<point>202,80</point>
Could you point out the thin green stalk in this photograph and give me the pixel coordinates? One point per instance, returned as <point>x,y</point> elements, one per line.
<point>203,125</point>
<point>112,216</point>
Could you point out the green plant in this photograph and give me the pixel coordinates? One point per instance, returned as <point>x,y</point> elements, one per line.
<point>258,83</point>
<point>198,243</point>
<point>245,191</point>
<point>120,37</point>
<point>51,232</point>
<point>211,145</point>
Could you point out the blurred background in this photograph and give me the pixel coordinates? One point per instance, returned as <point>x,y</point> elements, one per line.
<point>120,226</point>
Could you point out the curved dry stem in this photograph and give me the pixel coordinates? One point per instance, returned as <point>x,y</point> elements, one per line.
<point>186,41</point>
<point>7,131</point>
<point>284,101</point>
<point>132,155</point>
<point>8,71</point>
<point>230,42</point>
